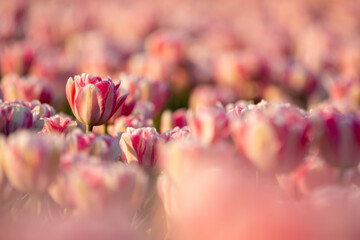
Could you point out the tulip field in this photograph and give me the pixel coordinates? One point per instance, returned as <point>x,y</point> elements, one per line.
<point>179,120</point>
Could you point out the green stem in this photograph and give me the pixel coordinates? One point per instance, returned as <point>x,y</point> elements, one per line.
<point>89,128</point>
<point>105,128</point>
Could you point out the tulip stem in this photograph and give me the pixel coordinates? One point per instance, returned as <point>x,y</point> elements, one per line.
<point>105,128</point>
<point>89,128</point>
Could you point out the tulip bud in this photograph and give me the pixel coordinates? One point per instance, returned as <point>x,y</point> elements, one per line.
<point>122,123</point>
<point>32,161</point>
<point>274,137</point>
<point>103,146</point>
<point>14,116</point>
<point>93,100</point>
<point>338,137</point>
<point>171,120</point>
<point>58,124</point>
<point>25,88</point>
<point>209,124</point>
<point>139,145</point>
<point>112,186</point>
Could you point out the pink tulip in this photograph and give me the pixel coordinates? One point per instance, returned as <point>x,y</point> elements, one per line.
<point>337,137</point>
<point>107,186</point>
<point>58,124</point>
<point>177,134</point>
<point>209,124</point>
<point>171,120</point>
<point>273,137</point>
<point>209,96</point>
<point>308,177</point>
<point>148,89</point>
<point>93,100</point>
<point>32,161</point>
<point>17,58</point>
<point>103,146</point>
<point>169,45</point>
<point>14,116</point>
<point>122,123</point>
<point>139,145</point>
<point>26,88</point>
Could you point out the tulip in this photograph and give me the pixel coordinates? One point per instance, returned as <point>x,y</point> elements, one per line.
<point>177,134</point>
<point>337,137</point>
<point>273,137</point>
<point>209,124</point>
<point>25,88</point>
<point>139,145</point>
<point>32,161</point>
<point>15,116</point>
<point>103,146</point>
<point>93,100</point>
<point>122,123</point>
<point>107,186</point>
<point>58,124</point>
<point>171,120</point>
<point>148,89</point>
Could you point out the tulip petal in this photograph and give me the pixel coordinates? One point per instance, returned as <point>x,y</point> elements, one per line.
<point>88,107</point>
<point>70,92</point>
<point>128,152</point>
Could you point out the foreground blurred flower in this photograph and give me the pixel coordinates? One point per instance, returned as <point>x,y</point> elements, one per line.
<point>26,88</point>
<point>274,137</point>
<point>32,160</point>
<point>113,186</point>
<point>338,137</point>
<point>209,124</point>
<point>93,100</point>
<point>139,145</point>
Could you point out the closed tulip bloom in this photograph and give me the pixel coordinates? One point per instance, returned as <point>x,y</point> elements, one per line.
<point>122,123</point>
<point>209,124</point>
<point>273,137</point>
<point>58,124</point>
<point>26,88</point>
<point>171,120</point>
<point>338,137</point>
<point>101,186</point>
<point>41,110</point>
<point>93,100</point>
<point>103,146</point>
<point>32,160</point>
<point>14,116</point>
<point>139,145</point>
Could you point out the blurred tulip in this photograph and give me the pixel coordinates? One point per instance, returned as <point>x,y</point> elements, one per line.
<point>122,123</point>
<point>26,88</point>
<point>103,146</point>
<point>209,124</point>
<point>337,137</point>
<point>107,186</point>
<point>93,100</point>
<point>32,161</point>
<point>274,137</point>
<point>171,120</point>
<point>15,116</point>
<point>58,124</point>
<point>209,96</point>
<point>17,58</point>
